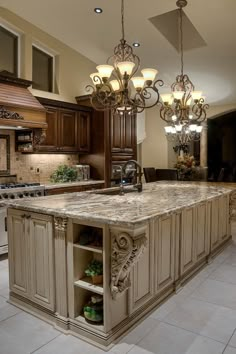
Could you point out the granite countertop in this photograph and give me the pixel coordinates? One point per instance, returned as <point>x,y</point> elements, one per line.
<point>72,184</point>
<point>133,208</point>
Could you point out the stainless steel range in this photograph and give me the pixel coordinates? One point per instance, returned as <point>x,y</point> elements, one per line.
<point>11,191</point>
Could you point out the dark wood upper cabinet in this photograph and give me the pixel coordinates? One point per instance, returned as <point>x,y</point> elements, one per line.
<point>83,131</point>
<point>68,127</point>
<point>123,133</point>
<point>51,141</point>
<point>68,131</point>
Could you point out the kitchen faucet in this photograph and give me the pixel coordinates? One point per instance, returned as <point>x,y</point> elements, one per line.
<point>138,185</point>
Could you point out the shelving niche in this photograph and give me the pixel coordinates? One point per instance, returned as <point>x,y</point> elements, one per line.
<point>83,254</point>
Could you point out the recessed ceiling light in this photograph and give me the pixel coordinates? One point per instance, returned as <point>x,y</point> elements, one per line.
<point>98,10</point>
<point>136,44</point>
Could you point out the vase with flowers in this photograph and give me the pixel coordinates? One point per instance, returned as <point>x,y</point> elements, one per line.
<point>185,166</point>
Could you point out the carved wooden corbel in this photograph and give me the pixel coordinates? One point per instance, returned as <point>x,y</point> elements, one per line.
<point>60,223</point>
<point>125,252</point>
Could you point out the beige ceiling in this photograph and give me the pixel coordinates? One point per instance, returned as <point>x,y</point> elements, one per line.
<point>212,68</point>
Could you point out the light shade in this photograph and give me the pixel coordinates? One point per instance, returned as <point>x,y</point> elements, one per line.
<point>149,74</point>
<point>168,129</point>
<point>196,95</point>
<point>95,78</point>
<point>167,98</point>
<point>193,127</point>
<point>138,81</point>
<point>199,129</point>
<point>126,67</point>
<point>174,118</point>
<point>178,127</point>
<point>115,85</point>
<point>178,95</point>
<point>105,70</point>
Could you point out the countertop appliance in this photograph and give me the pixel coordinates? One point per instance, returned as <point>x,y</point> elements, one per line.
<point>15,191</point>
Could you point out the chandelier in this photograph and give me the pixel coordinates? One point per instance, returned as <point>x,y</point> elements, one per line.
<point>184,109</point>
<point>116,88</point>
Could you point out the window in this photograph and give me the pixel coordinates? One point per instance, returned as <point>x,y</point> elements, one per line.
<point>9,51</point>
<point>42,70</point>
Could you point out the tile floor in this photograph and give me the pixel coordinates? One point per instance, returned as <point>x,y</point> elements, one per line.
<point>200,319</point>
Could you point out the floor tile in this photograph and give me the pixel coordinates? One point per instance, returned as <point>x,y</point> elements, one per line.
<point>230,350</point>
<point>7,310</point>
<point>68,345</point>
<point>5,292</point>
<point>231,260</point>
<point>23,333</point>
<point>4,278</point>
<point>216,292</point>
<point>166,339</point>
<point>127,342</point>
<point>4,263</point>
<point>213,321</point>
<point>232,342</point>
<point>224,272</point>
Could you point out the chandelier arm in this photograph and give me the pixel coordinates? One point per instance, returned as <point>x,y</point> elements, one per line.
<point>166,113</point>
<point>143,95</point>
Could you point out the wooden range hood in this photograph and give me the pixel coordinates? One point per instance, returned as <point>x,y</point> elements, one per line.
<point>18,107</point>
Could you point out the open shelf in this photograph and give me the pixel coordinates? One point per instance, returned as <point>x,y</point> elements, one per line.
<point>89,248</point>
<point>86,283</point>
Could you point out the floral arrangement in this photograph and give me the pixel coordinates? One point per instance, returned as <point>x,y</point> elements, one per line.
<point>186,166</point>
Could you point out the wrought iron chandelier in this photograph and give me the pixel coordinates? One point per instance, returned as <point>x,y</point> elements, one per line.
<point>115,86</point>
<point>184,109</point>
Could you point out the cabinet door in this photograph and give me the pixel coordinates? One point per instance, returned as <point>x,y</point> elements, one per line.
<point>18,252</point>
<point>50,144</point>
<point>41,260</point>
<point>202,234</point>
<point>223,218</point>
<point>214,224</point>
<point>117,133</point>
<point>83,133</point>
<point>188,237</point>
<point>129,133</point>
<point>164,252</point>
<point>68,131</point>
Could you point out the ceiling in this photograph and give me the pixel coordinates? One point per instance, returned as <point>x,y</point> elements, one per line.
<point>212,68</point>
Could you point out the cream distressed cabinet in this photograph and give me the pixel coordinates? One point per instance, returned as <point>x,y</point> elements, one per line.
<point>219,223</point>
<point>31,256</point>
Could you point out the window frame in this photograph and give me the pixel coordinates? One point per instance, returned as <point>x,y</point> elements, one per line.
<point>17,47</point>
<point>50,54</point>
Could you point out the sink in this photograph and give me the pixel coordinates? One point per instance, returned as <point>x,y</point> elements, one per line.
<point>114,191</point>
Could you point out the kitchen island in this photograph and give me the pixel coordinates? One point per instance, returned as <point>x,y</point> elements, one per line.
<point>149,243</point>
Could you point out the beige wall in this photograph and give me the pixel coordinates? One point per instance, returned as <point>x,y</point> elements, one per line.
<point>154,147</point>
<point>72,68</point>
<point>25,165</point>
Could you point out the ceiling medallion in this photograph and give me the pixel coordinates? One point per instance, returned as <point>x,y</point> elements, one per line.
<point>115,86</point>
<point>184,109</point>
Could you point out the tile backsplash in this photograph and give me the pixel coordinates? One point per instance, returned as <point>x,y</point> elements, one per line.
<point>35,167</point>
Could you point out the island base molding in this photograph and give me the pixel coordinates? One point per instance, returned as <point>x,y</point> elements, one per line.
<point>106,340</point>
<point>142,264</point>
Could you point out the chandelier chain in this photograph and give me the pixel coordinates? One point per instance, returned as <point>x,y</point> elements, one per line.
<point>122,19</point>
<point>181,40</point>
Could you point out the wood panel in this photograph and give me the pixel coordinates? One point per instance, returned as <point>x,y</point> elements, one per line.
<point>83,133</point>
<point>117,122</point>
<point>164,252</point>
<point>68,131</point>
<point>41,260</point>
<point>187,240</point>
<point>52,139</point>
<point>202,237</point>
<point>18,253</point>
<point>214,224</point>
